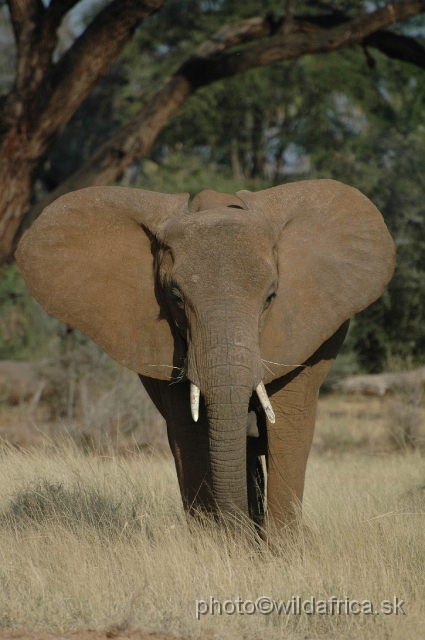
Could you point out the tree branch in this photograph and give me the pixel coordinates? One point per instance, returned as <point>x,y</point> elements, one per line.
<point>200,72</point>
<point>27,17</point>
<point>397,47</point>
<point>58,8</point>
<point>212,62</point>
<point>36,36</point>
<point>391,44</point>
<point>82,66</point>
<point>22,11</point>
<point>289,19</point>
<point>135,138</point>
<point>48,36</point>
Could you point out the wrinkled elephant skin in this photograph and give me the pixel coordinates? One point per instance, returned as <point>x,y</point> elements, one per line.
<point>231,311</point>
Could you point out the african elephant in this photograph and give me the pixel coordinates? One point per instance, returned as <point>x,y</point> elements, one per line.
<point>231,310</point>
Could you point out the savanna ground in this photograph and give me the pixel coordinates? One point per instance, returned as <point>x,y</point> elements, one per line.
<point>94,542</point>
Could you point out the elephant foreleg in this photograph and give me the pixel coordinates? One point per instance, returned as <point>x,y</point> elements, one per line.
<point>256,489</point>
<point>294,400</point>
<point>188,441</point>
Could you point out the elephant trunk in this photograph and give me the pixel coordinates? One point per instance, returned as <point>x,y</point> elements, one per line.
<point>226,366</point>
<point>227,409</point>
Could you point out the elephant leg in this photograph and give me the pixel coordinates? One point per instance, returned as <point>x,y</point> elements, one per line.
<point>256,489</point>
<point>294,400</point>
<point>188,441</point>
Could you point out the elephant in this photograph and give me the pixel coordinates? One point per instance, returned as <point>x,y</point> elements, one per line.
<point>231,311</point>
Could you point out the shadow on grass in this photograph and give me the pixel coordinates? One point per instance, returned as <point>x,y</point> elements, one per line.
<point>75,508</point>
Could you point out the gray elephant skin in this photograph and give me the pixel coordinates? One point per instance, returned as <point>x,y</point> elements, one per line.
<point>231,310</point>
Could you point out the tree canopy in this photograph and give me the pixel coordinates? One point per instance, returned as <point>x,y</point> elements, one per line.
<point>226,94</point>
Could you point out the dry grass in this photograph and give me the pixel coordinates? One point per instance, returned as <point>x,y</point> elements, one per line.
<point>101,542</point>
<point>370,424</point>
<point>90,538</point>
<point>110,408</point>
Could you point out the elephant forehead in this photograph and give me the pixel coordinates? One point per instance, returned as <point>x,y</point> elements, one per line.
<point>222,253</point>
<point>216,228</point>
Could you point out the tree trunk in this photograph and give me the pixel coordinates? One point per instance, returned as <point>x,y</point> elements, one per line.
<point>45,98</point>
<point>257,144</point>
<point>16,184</point>
<point>279,162</point>
<point>133,141</point>
<point>46,94</point>
<point>234,160</point>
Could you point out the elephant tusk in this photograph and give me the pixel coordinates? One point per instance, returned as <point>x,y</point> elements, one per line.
<point>265,402</point>
<point>194,401</point>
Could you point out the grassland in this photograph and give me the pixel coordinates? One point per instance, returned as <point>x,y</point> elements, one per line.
<point>99,540</point>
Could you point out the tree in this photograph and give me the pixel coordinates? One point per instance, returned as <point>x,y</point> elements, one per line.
<point>355,120</point>
<point>47,92</point>
<point>353,114</point>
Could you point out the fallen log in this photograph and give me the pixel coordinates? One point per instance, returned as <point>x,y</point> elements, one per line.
<point>378,384</point>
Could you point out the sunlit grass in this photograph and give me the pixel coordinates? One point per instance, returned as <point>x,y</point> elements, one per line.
<point>102,542</point>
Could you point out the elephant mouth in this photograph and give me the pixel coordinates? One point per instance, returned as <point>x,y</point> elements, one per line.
<point>256,427</point>
<point>252,424</point>
<point>259,403</point>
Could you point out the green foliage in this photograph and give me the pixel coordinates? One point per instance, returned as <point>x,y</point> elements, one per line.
<point>349,116</point>
<point>25,328</point>
<point>187,174</point>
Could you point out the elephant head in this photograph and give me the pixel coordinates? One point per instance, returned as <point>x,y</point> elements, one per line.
<point>230,293</point>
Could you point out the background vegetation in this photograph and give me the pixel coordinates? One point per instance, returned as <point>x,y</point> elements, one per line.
<point>90,539</point>
<point>352,115</point>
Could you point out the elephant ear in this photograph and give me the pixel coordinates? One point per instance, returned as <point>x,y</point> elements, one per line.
<point>335,256</point>
<point>88,260</point>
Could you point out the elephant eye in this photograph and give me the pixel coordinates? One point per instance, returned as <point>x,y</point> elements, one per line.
<point>176,295</point>
<point>270,298</point>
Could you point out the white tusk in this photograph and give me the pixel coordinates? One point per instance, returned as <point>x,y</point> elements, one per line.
<point>194,401</point>
<point>265,402</point>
